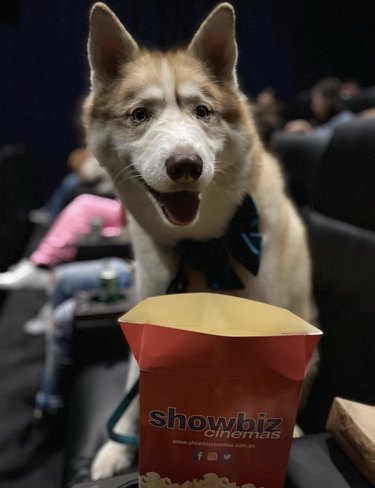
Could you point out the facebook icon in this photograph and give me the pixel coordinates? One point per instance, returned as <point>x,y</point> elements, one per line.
<point>198,455</point>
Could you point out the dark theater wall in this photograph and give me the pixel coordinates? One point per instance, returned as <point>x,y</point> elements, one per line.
<point>287,44</point>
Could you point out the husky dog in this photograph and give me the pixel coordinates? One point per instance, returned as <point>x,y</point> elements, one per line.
<point>177,137</point>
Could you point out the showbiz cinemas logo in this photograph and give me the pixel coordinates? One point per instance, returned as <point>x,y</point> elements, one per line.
<point>236,427</point>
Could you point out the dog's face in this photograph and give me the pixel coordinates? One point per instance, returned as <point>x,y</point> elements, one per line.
<point>164,124</point>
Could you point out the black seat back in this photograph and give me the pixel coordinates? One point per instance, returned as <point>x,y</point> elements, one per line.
<point>346,183</point>
<point>341,228</point>
<point>300,156</point>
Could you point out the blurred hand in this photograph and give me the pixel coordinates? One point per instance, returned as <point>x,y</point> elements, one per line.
<point>299,125</point>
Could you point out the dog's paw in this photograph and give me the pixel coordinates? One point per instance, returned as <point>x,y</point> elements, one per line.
<point>112,458</point>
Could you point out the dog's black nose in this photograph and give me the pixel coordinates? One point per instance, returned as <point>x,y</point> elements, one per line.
<point>184,167</point>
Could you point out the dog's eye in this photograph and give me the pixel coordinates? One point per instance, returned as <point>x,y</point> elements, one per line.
<point>202,112</point>
<point>139,115</point>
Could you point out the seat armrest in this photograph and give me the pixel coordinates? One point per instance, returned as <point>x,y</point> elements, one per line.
<point>315,460</point>
<point>116,246</point>
<point>96,333</point>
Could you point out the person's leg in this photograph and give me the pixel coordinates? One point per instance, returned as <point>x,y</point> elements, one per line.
<point>73,277</point>
<point>53,206</point>
<point>57,359</point>
<point>60,243</point>
<point>56,202</point>
<point>70,279</point>
<point>39,324</point>
<point>67,279</point>
<point>25,274</point>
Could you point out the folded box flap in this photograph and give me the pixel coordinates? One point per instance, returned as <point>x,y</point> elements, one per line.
<point>217,314</point>
<point>207,334</point>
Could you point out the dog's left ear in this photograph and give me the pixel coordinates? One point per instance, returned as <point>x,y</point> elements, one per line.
<point>215,43</point>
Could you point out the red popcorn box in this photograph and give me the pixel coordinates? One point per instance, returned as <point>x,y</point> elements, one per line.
<point>220,384</point>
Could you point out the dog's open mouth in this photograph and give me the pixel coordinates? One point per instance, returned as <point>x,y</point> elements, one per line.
<point>180,207</point>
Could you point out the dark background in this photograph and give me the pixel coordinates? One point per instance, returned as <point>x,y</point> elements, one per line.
<point>287,44</point>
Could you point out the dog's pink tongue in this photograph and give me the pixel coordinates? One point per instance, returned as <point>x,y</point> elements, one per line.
<point>180,207</point>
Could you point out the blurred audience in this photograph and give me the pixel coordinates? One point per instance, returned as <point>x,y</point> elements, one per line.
<point>84,170</point>
<point>328,108</point>
<point>70,219</point>
<point>58,322</point>
<point>267,109</point>
<point>349,89</point>
<point>60,242</point>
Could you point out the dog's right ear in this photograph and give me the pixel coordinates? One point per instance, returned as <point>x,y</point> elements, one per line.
<point>109,46</point>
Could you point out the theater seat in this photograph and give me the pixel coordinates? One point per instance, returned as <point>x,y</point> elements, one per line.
<point>345,187</point>
<point>344,267</point>
<point>316,461</point>
<point>300,156</point>
<point>341,225</point>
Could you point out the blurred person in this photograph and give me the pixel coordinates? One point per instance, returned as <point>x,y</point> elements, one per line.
<point>60,242</point>
<point>328,109</point>
<point>268,98</point>
<point>349,88</point>
<point>68,279</point>
<point>84,169</point>
<point>267,110</point>
<point>48,421</point>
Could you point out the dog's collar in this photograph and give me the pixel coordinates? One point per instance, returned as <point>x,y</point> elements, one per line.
<point>242,240</point>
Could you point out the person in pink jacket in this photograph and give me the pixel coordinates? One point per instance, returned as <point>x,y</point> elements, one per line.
<point>59,245</point>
